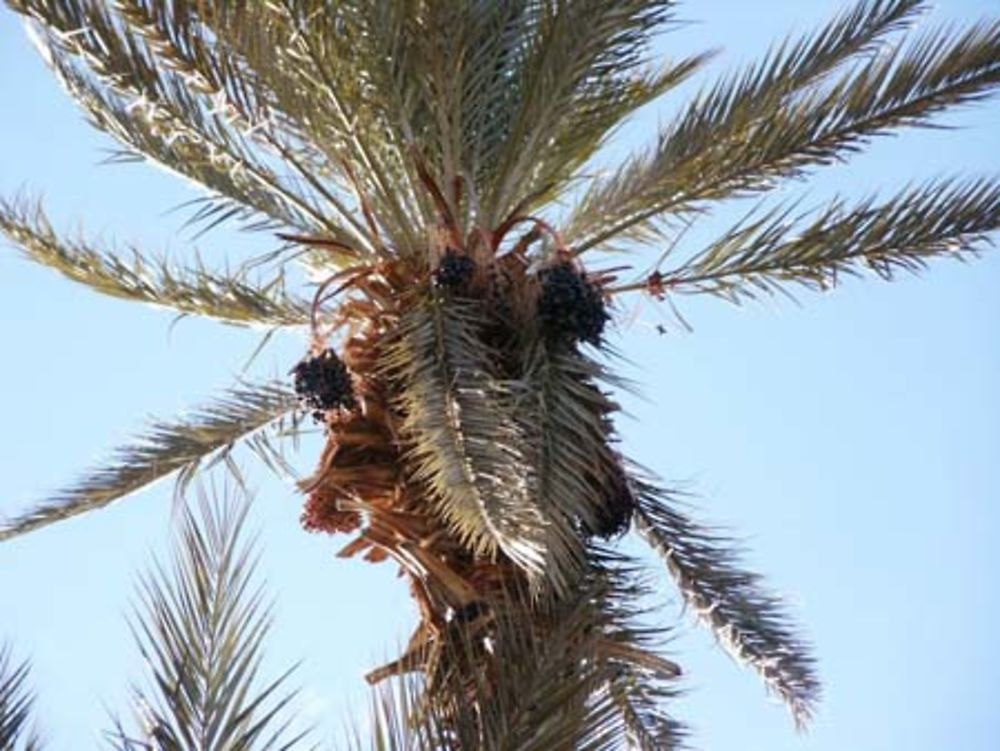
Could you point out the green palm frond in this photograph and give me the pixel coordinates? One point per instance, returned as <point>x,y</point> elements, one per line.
<point>15,706</point>
<point>564,75</point>
<point>238,189</point>
<point>355,79</point>
<point>318,82</point>
<point>944,218</point>
<point>509,97</point>
<point>197,291</point>
<point>496,41</point>
<point>242,67</point>
<point>183,445</point>
<point>115,77</point>
<point>338,78</point>
<point>201,625</point>
<point>748,622</point>
<point>792,112</point>
<point>465,444</point>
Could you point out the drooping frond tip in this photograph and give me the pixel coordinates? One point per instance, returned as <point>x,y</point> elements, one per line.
<point>749,623</point>
<point>643,683</point>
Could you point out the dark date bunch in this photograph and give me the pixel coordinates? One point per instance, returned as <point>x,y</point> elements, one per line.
<point>571,307</point>
<point>614,518</point>
<point>454,271</point>
<point>323,383</point>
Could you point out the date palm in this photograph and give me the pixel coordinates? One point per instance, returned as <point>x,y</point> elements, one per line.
<point>425,166</point>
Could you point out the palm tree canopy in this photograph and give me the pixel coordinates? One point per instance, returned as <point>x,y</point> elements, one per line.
<point>428,164</point>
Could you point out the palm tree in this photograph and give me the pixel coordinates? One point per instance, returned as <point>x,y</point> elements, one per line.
<point>411,159</point>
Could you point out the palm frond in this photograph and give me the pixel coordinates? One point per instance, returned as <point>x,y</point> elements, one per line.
<point>349,81</point>
<point>261,95</point>
<point>790,113</point>
<point>197,291</point>
<point>563,75</point>
<point>201,626</point>
<point>749,623</point>
<point>183,445</point>
<point>427,49</point>
<point>15,706</point>
<point>464,443</point>
<point>944,218</point>
<point>496,42</point>
<point>320,83</point>
<point>626,202</point>
<point>162,114</point>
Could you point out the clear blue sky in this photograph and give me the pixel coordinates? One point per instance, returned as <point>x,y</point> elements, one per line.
<point>854,440</point>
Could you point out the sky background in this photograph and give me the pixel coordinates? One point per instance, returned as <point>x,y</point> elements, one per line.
<point>852,440</point>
